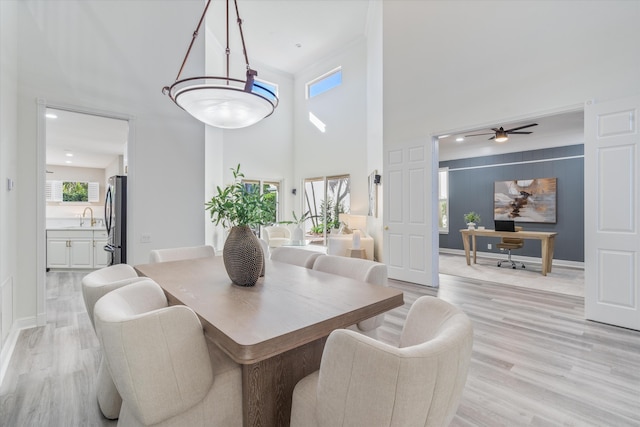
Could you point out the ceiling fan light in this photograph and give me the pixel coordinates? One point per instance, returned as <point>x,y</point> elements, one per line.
<point>501,136</point>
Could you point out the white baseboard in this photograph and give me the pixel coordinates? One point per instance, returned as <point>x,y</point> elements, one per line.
<point>10,344</point>
<point>529,260</point>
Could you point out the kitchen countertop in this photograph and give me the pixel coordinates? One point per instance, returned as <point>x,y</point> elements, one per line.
<point>77,227</point>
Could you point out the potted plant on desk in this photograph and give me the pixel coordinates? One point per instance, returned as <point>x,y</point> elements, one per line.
<point>241,207</point>
<point>472,218</point>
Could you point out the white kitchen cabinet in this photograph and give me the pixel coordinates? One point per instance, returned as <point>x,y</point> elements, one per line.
<point>57,252</point>
<point>81,253</point>
<point>76,249</point>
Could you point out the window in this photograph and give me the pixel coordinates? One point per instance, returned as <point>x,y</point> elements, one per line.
<point>443,200</point>
<point>271,190</point>
<point>324,83</point>
<point>72,191</point>
<point>265,88</point>
<point>325,199</point>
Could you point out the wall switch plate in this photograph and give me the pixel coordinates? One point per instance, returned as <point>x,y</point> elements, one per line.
<point>488,245</point>
<point>145,238</point>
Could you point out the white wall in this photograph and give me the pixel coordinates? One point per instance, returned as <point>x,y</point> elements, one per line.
<point>375,117</point>
<point>458,65</point>
<point>104,56</point>
<point>264,150</point>
<point>8,165</point>
<point>342,149</point>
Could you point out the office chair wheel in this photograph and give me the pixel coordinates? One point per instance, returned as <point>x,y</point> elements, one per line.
<point>514,267</point>
<point>523,266</point>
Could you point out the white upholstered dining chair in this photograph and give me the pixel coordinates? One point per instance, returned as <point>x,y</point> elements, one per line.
<point>177,254</point>
<point>359,269</point>
<point>363,382</point>
<point>167,373</point>
<point>94,286</point>
<point>295,256</point>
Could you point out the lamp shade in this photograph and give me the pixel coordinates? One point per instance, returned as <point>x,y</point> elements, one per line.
<point>221,105</point>
<point>358,222</point>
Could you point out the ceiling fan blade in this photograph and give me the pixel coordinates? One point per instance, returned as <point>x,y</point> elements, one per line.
<point>479,134</point>
<point>519,133</point>
<point>493,137</point>
<point>521,127</point>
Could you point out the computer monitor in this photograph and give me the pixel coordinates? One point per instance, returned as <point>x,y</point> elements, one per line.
<point>504,225</point>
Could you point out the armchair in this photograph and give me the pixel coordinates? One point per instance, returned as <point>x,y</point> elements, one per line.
<point>276,235</point>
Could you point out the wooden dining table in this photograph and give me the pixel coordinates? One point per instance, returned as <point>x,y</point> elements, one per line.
<point>276,330</point>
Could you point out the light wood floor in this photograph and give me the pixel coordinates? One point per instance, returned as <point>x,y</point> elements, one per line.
<point>536,361</point>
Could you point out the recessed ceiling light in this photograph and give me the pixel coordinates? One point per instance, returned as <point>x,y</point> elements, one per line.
<point>51,116</point>
<point>443,136</point>
<point>68,161</point>
<point>69,154</point>
<point>459,139</point>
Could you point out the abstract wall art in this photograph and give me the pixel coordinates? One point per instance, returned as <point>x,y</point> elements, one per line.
<point>525,200</point>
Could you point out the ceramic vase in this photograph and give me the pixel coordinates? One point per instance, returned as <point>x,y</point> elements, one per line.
<point>297,236</point>
<point>242,256</point>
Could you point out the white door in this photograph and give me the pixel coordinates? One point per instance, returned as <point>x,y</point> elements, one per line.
<point>410,250</point>
<point>612,217</point>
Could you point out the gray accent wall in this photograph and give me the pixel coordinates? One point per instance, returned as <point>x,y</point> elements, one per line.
<point>471,187</point>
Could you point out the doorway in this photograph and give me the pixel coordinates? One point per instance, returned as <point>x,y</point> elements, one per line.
<point>479,161</point>
<point>81,146</point>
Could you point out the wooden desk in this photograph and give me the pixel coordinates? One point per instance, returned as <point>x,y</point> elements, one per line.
<point>547,239</point>
<point>277,329</point>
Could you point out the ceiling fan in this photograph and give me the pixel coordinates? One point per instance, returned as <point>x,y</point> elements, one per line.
<point>501,135</point>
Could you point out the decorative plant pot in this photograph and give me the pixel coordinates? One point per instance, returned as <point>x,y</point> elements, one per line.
<point>471,225</point>
<point>243,257</point>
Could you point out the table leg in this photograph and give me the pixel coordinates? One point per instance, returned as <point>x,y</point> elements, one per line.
<point>474,248</point>
<point>547,252</point>
<point>267,386</point>
<point>465,244</point>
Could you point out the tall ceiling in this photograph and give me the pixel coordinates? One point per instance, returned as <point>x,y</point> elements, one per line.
<point>286,35</point>
<point>289,35</point>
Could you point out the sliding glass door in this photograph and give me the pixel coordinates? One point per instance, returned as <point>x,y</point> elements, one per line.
<point>325,199</point>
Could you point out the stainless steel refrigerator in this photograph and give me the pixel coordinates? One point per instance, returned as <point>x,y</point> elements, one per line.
<point>115,218</point>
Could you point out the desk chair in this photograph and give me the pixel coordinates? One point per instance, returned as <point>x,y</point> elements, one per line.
<point>510,243</point>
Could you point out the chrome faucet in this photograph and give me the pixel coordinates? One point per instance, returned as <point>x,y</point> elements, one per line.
<point>93,221</point>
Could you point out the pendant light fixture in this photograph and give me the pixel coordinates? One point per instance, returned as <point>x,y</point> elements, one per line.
<point>223,102</point>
